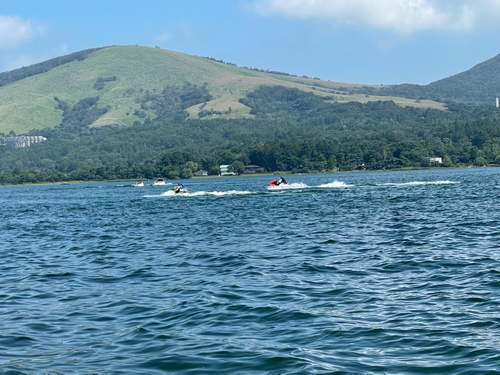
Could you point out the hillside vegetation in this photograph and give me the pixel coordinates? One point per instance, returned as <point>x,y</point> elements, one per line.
<point>478,85</point>
<point>120,76</point>
<point>379,134</point>
<point>138,112</point>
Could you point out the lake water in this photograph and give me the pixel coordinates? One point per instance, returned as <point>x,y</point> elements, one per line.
<point>349,273</point>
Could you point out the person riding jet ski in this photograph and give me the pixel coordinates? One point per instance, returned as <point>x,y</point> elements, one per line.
<point>179,188</point>
<point>280,181</point>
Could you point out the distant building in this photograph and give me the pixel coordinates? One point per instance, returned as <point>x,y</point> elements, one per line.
<point>224,170</point>
<point>201,173</point>
<point>251,169</point>
<point>24,140</point>
<point>436,160</point>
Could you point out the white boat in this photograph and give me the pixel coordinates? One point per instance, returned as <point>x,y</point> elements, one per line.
<point>159,182</point>
<point>139,183</point>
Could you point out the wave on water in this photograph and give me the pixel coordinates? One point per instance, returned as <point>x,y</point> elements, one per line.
<point>295,185</point>
<point>335,184</point>
<point>171,193</point>
<point>129,185</point>
<point>145,185</point>
<point>418,183</point>
<point>233,278</point>
<point>221,193</point>
<point>300,185</point>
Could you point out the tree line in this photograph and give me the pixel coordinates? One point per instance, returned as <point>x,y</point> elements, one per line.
<point>292,131</point>
<point>476,143</point>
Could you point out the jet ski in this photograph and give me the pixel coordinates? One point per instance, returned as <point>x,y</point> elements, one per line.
<point>277,183</point>
<point>180,190</point>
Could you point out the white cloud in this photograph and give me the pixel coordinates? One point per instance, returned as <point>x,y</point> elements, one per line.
<point>183,31</point>
<point>15,31</point>
<point>163,37</point>
<point>188,32</point>
<point>403,16</point>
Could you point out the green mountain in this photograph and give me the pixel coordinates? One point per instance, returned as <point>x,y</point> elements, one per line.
<point>139,112</point>
<point>478,85</point>
<point>121,76</point>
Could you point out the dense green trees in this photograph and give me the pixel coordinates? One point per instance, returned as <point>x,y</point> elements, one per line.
<point>170,105</point>
<point>292,131</point>
<point>386,150</point>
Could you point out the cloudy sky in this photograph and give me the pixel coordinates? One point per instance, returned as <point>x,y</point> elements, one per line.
<point>356,41</point>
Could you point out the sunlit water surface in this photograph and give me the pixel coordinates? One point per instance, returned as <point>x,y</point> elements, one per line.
<point>355,273</point>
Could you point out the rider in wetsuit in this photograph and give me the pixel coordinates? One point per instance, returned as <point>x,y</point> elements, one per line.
<point>281,181</point>
<point>178,188</point>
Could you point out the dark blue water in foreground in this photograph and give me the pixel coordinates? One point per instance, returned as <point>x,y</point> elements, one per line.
<point>356,273</point>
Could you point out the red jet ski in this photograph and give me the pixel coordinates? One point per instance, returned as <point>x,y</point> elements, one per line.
<point>277,183</point>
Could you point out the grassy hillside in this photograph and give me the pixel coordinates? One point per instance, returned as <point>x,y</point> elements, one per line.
<point>127,73</point>
<point>479,85</point>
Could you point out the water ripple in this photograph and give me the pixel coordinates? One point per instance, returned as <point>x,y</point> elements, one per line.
<point>337,274</point>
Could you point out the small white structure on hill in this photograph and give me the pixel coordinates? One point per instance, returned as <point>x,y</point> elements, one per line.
<point>24,140</point>
<point>436,160</point>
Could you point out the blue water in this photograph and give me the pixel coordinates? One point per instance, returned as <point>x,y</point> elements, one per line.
<point>352,273</point>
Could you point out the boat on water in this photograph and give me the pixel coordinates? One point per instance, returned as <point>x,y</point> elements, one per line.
<point>159,182</point>
<point>139,183</point>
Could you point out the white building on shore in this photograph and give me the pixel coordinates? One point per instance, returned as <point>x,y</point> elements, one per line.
<point>224,170</point>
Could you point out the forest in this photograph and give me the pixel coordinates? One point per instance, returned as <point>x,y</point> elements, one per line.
<point>292,132</point>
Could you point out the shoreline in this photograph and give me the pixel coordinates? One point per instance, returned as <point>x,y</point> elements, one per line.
<point>69,182</point>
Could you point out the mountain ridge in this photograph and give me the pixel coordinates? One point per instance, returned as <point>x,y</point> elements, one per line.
<point>126,111</point>
<point>28,103</point>
<point>478,85</point>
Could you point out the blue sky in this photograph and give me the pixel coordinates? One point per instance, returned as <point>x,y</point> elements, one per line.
<point>355,41</point>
